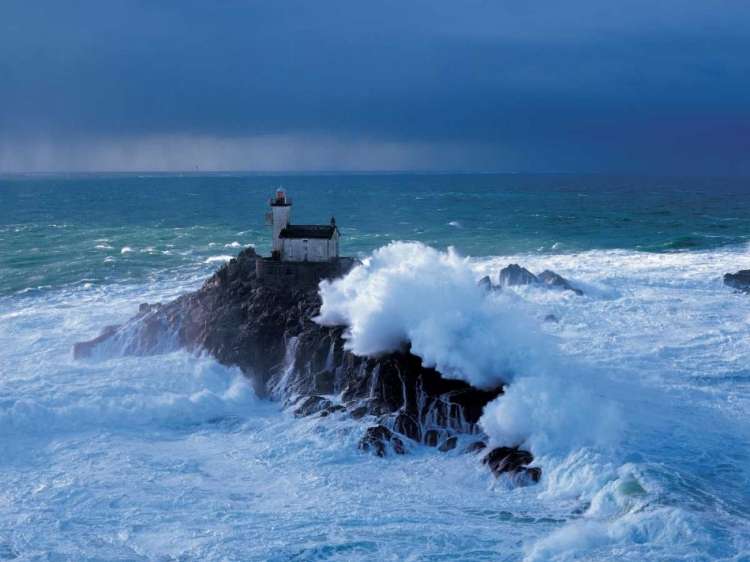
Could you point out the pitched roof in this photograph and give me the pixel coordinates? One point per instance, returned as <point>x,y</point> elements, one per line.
<point>308,231</point>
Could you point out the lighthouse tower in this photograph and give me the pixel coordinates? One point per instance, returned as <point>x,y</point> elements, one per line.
<point>281,206</point>
<point>300,242</point>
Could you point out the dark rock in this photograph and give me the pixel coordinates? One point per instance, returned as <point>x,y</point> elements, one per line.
<point>551,318</point>
<point>514,275</point>
<point>739,280</point>
<point>475,447</point>
<point>358,413</point>
<point>264,325</point>
<point>486,283</point>
<point>512,461</point>
<point>431,437</point>
<point>379,439</point>
<point>332,410</point>
<point>408,426</point>
<point>448,445</point>
<point>84,348</point>
<point>554,280</point>
<point>534,473</point>
<point>312,405</point>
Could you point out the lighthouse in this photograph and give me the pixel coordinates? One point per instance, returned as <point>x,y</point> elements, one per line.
<point>300,242</point>
<point>281,208</point>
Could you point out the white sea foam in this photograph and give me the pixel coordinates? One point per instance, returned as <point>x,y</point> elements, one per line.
<point>233,245</point>
<point>173,456</point>
<point>548,415</point>
<point>218,259</point>
<point>408,293</point>
<point>616,360</point>
<point>126,250</point>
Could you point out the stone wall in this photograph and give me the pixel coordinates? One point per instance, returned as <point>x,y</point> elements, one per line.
<point>272,273</point>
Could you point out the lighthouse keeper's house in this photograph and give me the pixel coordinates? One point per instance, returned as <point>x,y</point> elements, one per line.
<point>300,242</point>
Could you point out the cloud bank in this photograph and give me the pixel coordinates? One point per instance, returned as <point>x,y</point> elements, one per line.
<point>494,86</point>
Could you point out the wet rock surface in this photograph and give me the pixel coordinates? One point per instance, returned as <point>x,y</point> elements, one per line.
<point>265,326</point>
<point>739,280</point>
<point>554,280</point>
<point>514,275</point>
<point>514,462</point>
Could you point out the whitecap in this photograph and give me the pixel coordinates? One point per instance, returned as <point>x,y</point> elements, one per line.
<point>218,259</point>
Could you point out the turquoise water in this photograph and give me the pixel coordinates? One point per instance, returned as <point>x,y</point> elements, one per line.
<point>635,405</point>
<point>57,230</point>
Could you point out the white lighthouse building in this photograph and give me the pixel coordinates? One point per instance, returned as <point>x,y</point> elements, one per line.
<point>297,242</point>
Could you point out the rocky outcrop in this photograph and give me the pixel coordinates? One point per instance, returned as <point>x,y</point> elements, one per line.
<point>511,460</point>
<point>554,280</point>
<point>515,275</point>
<point>739,280</point>
<point>486,284</point>
<point>256,318</point>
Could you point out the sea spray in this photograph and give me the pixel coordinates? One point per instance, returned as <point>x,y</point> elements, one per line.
<point>409,293</point>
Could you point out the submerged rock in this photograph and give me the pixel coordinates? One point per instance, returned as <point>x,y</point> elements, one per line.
<point>512,461</point>
<point>380,440</point>
<point>551,319</point>
<point>475,447</point>
<point>84,348</point>
<point>739,280</point>
<point>448,445</point>
<point>312,405</point>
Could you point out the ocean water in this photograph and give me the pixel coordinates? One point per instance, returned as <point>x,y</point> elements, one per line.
<point>636,404</point>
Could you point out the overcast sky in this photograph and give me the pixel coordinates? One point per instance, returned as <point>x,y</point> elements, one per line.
<point>581,85</point>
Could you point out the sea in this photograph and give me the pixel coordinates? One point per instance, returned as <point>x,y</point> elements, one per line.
<point>639,414</point>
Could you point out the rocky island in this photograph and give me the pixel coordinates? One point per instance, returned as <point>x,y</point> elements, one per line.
<point>258,313</point>
<point>263,322</point>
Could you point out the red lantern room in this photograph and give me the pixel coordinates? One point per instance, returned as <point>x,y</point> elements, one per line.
<point>281,200</point>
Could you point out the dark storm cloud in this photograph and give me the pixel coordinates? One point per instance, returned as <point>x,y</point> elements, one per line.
<point>582,85</point>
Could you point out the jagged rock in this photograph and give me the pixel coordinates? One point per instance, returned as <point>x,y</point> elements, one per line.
<point>332,410</point>
<point>448,445</point>
<point>514,275</point>
<point>312,405</point>
<point>431,437</point>
<point>554,280</point>
<point>486,283</point>
<point>739,280</point>
<point>378,439</point>
<point>551,318</point>
<point>408,426</point>
<point>84,348</point>
<point>265,327</point>
<point>358,413</point>
<point>475,447</point>
<point>513,461</point>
